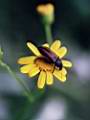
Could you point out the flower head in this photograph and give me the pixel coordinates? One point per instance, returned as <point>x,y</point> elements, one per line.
<point>47,12</point>
<point>37,64</point>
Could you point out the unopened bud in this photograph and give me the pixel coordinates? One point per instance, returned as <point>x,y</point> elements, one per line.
<point>47,13</point>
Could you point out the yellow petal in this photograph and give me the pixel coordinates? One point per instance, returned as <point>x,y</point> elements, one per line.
<point>62,52</point>
<point>59,75</point>
<point>41,79</point>
<point>46,45</point>
<point>64,71</point>
<point>26,68</point>
<point>33,48</point>
<point>55,45</point>
<point>49,79</point>
<point>26,60</point>
<point>34,71</point>
<point>66,63</point>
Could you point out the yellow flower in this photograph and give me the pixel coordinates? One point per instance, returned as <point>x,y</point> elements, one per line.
<point>47,11</point>
<point>33,65</point>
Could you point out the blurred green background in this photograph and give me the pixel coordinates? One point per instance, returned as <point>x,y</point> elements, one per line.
<point>20,22</point>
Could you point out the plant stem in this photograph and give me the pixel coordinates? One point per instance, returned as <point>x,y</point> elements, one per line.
<point>48,33</point>
<point>26,89</point>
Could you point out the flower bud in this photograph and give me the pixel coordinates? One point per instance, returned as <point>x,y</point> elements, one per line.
<point>47,13</point>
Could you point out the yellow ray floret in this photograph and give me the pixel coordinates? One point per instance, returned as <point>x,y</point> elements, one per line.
<point>26,60</point>
<point>46,45</point>
<point>41,79</point>
<point>49,79</point>
<point>59,75</point>
<point>55,45</point>
<point>34,71</point>
<point>66,63</point>
<point>27,68</point>
<point>64,71</point>
<point>33,48</point>
<point>60,52</point>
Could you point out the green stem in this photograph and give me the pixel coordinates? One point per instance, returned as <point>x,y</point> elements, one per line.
<point>48,33</point>
<point>26,89</point>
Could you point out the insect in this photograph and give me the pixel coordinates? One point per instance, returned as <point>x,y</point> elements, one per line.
<point>51,57</point>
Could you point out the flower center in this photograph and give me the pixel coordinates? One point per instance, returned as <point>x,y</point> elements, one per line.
<point>44,64</point>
